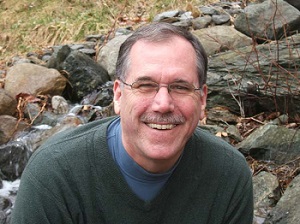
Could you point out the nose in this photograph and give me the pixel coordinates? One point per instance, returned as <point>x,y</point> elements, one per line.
<point>163,101</point>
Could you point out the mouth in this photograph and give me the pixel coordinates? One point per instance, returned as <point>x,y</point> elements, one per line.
<point>162,126</point>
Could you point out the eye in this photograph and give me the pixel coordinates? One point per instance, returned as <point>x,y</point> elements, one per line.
<point>145,86</point>
<point>182,88</point>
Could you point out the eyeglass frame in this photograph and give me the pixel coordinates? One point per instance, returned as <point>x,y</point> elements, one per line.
<point>194,89</point>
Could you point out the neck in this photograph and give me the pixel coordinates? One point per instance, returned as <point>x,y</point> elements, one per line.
<point>154,165</point>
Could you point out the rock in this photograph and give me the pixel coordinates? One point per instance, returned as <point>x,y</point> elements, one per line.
<point>8,104</point>
<point>234,133</point>
<point>264,185</point>
<point>13,159</point>
<point>59,56</point>
<point>9,126</point>
<point>84,74</point>
<point>87,48</point>
<point>89,52</point>
<point>34,79</point>
<point>204,16</point>
<point>272,143</point>
<point>40,133</point>
<point>94,37</point>
<point>87,45</point>
<point>108,54</point>
<point>186,16</point>
<point>287,209</point>
<point>213,129</point>
<point>19,60</point>
<point>185,20</point>
<point>166,15</point>
<point>235,70</point>
<point>36,115</point>
<point>201,22</point>
<point>123,31</point>
<point>260,20</point>
<point>221,115</point>
<point>103,96</point>
<point>208,10</point>
<point>183,23</point>
<point>221,19</point>
<point>220,38</point>
<point>5,209</point>
<point>281,120</point>
<point>59,105</point>
<point>88,113</point>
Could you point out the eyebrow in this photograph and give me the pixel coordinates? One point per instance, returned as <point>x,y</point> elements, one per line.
<point>148,78</point>
<point>180,81</point>
<point>144,78</point>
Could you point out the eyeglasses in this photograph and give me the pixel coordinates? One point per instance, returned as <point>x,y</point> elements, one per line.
<point>151,87</point>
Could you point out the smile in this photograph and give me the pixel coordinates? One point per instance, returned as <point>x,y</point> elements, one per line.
<point>162,126</point>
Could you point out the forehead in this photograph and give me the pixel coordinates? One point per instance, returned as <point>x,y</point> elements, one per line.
<point>169,41</point>
<point>172,56</point>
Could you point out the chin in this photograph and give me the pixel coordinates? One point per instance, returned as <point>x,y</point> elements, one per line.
<point>158,153</point>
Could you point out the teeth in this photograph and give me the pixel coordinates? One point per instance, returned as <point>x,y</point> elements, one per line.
<point>162,126</point>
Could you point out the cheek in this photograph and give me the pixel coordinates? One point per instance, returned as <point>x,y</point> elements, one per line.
<point>132,106</point>
<point>190,109</point>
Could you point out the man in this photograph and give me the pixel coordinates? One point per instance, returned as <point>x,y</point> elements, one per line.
<point>149,165</point>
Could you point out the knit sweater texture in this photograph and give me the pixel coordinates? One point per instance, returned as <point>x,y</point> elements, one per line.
<point>72,179</point>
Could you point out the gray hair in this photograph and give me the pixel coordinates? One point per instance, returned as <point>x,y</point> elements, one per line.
<point>156,32</point>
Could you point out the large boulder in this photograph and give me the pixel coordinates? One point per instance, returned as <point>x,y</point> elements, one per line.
<point>109,53</point>
<point>221,38</point>
<point>34,79</point>
<point>272,143</point>
<point>84,74</point>
<point>257,78</point>
<point>287,209</point>
<point>264,184</point>
<point>270,20</point>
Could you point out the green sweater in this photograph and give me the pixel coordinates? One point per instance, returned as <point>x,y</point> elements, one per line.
<point>73,179</point>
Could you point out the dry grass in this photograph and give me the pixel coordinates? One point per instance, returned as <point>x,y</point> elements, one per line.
<point>29,25</point>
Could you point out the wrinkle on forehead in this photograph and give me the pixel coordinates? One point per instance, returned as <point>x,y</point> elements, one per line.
<point>168,60</point>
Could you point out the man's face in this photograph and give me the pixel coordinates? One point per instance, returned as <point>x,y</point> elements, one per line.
<point>156,127</point>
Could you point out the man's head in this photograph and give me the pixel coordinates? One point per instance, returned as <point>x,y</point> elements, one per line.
<point>160,93</point>
<point>159,32</point>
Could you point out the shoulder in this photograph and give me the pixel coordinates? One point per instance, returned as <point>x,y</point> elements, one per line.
<point>78,135</point>
<point>81,131</point>
<point>69,156</point>
<point>68,146</point>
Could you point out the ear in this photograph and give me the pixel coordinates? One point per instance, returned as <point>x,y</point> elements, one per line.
<point>117,96</point>
<point>203,98</point>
